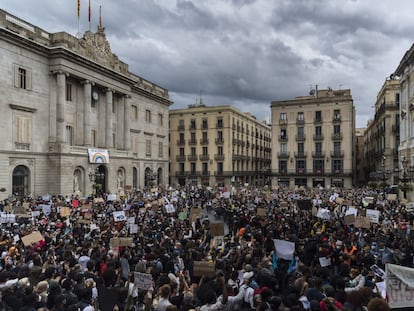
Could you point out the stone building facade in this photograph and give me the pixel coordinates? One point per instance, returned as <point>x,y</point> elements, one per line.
<point>313,140</point>
<point>218,146</point>
<point>64,99</point>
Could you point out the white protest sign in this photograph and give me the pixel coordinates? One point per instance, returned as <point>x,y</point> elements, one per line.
<point>133,228</point>
<point>143,280</point>
<point>119,216</point>
<point>111,197</point>
<point>399,282</point>
<point>47,209</point>
<point>324,261</point>
<point>226,195</point>
<point>93,227</point>
<point>284,249</point>
<point>7,218</point>
<point>351,211</point>
<point>373,215</point>
<point>35,213</point>
<point>169,208</point>
<point>323,213</point>
<point>131,220</point>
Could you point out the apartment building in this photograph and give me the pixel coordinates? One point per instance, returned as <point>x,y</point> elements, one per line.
<point>74,117</point>
<point>382,136</point>
<point>218,146</point>
<point>313,140</point>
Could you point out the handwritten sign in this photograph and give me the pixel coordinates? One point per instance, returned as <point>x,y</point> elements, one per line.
<point>116,242</point>
<point>64,211</point>
<point>143,280</point>
<point>33,237</point>
<point>217,228</point>
<point>399,283</point>
<point>204,268</point>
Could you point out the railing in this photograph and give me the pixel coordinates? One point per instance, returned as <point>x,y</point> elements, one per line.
<point>317,120</point>
<point>300,154</point>
<point>300,121</point>
<point>180,127</point>
<point>204,157</point>
<point>317,136</point>
<point>300,137</point>
<point>336,118</point>
<point>219,141</point>
<point>192,157</point>
<point>22,146</point>
<point>282,122</point>
<point>219,157</point>
<point>180,158</point>
<point>318,154</point>
<point>180,142</point>
<point>204,142</point>
<point>337,154</point>
<point>336,136</point>
<point>192,141</point>
<point>284,154</point>
<point>283,138</point>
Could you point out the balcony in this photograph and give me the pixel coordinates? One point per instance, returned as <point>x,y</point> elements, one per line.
<point>219,125</point>
<point>219,141</point>
<point>300,137</point>
<point>300,154</point>
<point>336,136</point>
<point>180,127</point>
<point>300,121</point>
<point>22,146</point>
<point>282,122</point>
<point>192,142</point>
<point>192,127</point>
<point>283,154</point>
<point>219,157</point>
<point>204,141</point>
<point>181,142</point>
<point>317,120</point>
<point>181,173</point>
<point>337,154</point>
<point>336,118</point>
<point>219,173</point>
<point>180,158</point>
<point>204,157</point>
<point>205,173</point>
<point>337,172</point>
<point>318,171</point>
<point>301,171</point>
<point>318,136</point>
<point>283,138</point>
<point>318,154</point>
<point>192,157</point>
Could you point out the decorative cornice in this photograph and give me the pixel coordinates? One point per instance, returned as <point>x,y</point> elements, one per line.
<point>22,108</point>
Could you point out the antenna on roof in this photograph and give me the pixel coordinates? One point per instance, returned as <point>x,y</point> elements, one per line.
<point>201,98</point>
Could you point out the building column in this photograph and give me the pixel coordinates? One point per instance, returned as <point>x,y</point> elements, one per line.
<point>108,120</point>
<point>127,122</point>
<point>87,98</point>
<point>60,107</point>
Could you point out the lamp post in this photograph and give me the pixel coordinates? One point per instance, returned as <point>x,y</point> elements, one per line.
<point>94,176</point>
<point>405,176</point>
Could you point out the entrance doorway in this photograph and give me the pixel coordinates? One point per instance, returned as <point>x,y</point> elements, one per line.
<point>20,183</point>
<point>101,178</point>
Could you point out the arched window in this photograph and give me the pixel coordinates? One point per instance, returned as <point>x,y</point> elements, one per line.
<point>135,178</point>
<point>21,180</point>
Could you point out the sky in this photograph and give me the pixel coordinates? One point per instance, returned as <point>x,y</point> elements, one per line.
<point>245,53</point>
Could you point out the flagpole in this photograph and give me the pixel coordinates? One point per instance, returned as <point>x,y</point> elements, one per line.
<point>78,34</point>
<point>89,15</point>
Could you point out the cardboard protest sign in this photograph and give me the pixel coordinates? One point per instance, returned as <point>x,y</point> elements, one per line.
<point>143,280</point>
<point>399,283</point>
<point>33,237</point>
<point>204,268</point>
<point>261,211</point>
<point>340,201</point>
<point>47,209</point>
<point>373,215</point>
<point>60,203</point>
<point>19,209</point>
<point>324,213</point>
<point>362,222</point>
<point>111,197</point>
<point>195,213</point>
<point>65,211</point>
<point>119,216</point>
<point>116,242</point>
<point>283,204</point>
<point>98,200</point>
<point>84,221</point>
<point>217,228</point>
<point>351,211</point>
<point>324,261</point>
<point>391,197</point>
<point>26,205</point>
<point>349,219</point>
<point>284,249</point>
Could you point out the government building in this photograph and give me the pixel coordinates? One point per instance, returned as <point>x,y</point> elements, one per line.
<point>313,140</point>
<point>218,146</point>
<point>75,120</point>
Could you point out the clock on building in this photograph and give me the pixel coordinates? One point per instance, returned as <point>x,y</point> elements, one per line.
<point>95,96</point>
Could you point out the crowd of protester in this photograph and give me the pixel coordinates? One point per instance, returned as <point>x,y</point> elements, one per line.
<point>75,267</point>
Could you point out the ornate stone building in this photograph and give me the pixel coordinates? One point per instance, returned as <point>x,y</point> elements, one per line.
<point>314,140</point>
<point>73,117</point>
<point>218,146</point>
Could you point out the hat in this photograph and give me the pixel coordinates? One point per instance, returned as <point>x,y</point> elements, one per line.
<point>248,275</point>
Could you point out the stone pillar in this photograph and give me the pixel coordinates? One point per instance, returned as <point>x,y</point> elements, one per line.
<point>87,98</point>
<point>127,122</point>
<point>60,107</point>
<point>108,120</point>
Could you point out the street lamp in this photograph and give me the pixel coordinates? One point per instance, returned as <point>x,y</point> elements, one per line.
<point>94,176</point>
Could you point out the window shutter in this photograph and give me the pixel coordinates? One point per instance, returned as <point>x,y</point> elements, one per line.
<point>28,79</point>
<point>16,76</point>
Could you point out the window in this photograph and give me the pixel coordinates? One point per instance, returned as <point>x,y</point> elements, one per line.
<point>192,124</point>
<point>23,130</point>
<point>68,92</point>
<point>181,167</point>
<point>205,124</point>
<point>193,137</point>
<point>318,166</point>
<point>337,129</point>
<point>69,135</point>
<point>337,114</point>
<point>22,78</point>
<point>160,119</point>
<point>148,147</point>
<point>192,168</point>
<point>182,152</point>
<point>283,166</point>
<point>205,151</point>
<point>205,136</point>
<point>300,116</point>
<point>283,116</point>
<point>93,135</point>
<point>135,112</point>
<point>193,151</point>
<point>301,166</point>
<point>283,148</point>
<point>301,133</point>
<point>220,167</point>
<point>160,149</point>
<point>220,135</point>
<point>318,148</point>
<point>220,150</point>
<point>337,148</point>
<point>318,116</point>
<point>219,123</point>
<point>283,133</point>
<point>148,116</point>
<point>337,165</point>
<point>182,140</point>
<point>301,148</point>
<point>205,168</point>
<point>318,131</point>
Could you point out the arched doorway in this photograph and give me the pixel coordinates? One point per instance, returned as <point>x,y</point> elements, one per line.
<point>78,181</point>
<point>120,178</point>
<point>159,176</point>
<point>149,177</point>
<point>20,183</point>
<point>101,178</point>
<point>134,178</point>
